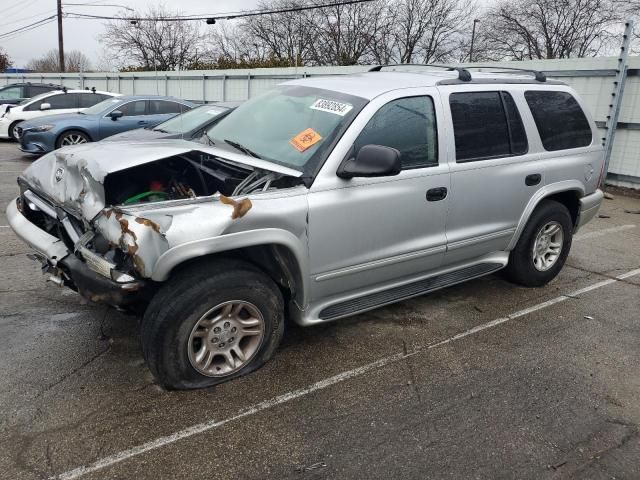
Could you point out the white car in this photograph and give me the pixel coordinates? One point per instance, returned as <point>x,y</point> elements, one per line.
<point>49,103</point>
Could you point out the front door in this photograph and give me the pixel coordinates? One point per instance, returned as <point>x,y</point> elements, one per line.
<point>367,233</point>
<point>134,115</point>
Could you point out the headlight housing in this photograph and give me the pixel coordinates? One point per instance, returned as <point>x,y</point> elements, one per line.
<point>41,128</point>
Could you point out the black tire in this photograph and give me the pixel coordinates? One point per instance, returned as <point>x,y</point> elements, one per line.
<point>69,133</point>
<point>11,127</point>
<point>521,268</point>
<point>176,308</point>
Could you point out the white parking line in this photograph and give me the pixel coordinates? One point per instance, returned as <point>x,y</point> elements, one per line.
<point>322,384</point>
<point>603,232</point>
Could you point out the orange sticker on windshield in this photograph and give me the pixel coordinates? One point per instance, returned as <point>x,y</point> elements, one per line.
<point>305,139</point>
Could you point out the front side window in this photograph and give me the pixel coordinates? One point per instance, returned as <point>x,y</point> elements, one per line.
<point>133,109</point>
<point>486,125</point>
<point>293,125</point>
<point>561,122</point>
<point>11,93</point>
<point>408,125</point>
<point>62,101</point>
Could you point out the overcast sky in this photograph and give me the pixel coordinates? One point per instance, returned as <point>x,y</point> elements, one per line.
<point>82,34</point>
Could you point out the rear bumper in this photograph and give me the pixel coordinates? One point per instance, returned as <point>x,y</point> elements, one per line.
<point>62,264</point>
<point>589,206</point>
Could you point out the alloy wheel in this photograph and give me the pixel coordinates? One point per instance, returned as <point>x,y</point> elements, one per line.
<point>547,246</point>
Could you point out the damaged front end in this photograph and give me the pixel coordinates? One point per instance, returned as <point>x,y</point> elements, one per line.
<point>100,225</point>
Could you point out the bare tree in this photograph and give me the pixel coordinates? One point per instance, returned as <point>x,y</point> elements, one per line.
<point>75,61</point>
<point>5,61</point>
<point>544,29</point>
<point>155,42</point>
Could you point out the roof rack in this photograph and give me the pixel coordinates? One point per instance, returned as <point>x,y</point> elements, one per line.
<point>463,73</point>
<point>539,76</point>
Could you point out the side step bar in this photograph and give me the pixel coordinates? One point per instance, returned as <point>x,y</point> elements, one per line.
<point>403,292</point>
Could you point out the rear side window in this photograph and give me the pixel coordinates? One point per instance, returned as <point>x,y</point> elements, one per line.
<point>561,122</point>
<point>162,107</point>
<point>486,125</point>
<point>34,90</point>
<point>89,99</point>
<point>408,125</point>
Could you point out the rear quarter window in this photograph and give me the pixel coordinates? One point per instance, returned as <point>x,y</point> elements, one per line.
<point>560,121</point>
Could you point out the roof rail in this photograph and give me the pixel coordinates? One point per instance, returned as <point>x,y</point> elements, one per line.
<point>539,76</point>
<point>463,73</point>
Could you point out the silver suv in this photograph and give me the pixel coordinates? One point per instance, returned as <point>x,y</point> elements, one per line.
<point>321,199</point>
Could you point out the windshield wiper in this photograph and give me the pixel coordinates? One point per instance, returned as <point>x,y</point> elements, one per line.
<point>242,148</point>
<point>159,130</point>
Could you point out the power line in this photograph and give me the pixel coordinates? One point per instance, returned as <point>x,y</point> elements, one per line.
<point>219,16</point>
<point>25,27</point>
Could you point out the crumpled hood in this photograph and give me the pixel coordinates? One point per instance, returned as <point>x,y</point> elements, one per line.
<point>74,176</point>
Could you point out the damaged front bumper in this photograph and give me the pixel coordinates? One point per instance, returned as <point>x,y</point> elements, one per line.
<point>85,272</point>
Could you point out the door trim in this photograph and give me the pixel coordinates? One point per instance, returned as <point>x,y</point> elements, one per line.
<point>482,238</point>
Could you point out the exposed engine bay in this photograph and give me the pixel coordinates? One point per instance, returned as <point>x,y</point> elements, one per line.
<point>190,175</point>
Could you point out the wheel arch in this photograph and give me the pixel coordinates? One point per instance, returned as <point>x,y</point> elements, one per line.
<point>567,193</point>
<point>277,253</point>
<point>73,129</point>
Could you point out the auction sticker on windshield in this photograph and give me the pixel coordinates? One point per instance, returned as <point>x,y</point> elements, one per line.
<point>331,106</point>
<point>305,139</point>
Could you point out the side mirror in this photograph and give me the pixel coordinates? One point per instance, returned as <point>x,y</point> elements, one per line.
<point>45,106</point>
<point>116,114</point>
<point>371,161</point>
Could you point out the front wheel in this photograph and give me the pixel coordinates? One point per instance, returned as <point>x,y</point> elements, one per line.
<point>212,323</point>
<point>543,246</point>
<point>72,137</point>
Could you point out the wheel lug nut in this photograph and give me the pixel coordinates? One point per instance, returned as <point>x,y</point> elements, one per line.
<point>226,324</point>
<point>231,339</point>
<point>217,329</point>
<point>234,329</point>
<point>214,339</point>
<point>221,345</point>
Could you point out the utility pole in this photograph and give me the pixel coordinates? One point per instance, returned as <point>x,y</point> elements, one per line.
<point>60,38</point>
<point>473,38</point>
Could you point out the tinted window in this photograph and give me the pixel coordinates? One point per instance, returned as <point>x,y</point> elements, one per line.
<point>517,134</point>
<point>11,93</point>
<point>133,109</point>
<point>407,124</point>
<point>160,107</point>
<point>89,99</point>
<point>34,90</point>
<point>560,120</point>
<point>62,101</point>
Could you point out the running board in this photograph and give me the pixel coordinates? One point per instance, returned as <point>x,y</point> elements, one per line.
<point>403,292</point>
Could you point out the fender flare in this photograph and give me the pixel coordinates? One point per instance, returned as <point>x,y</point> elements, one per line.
<point>544,192</point>
<point>252,238</point>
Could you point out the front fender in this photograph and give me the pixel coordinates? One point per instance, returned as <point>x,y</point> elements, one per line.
<point>265,236</point>
<point>544,192</point>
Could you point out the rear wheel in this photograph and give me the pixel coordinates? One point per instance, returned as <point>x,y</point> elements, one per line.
<point>72,137</point>
<point>543,246</point>
<point>212,323</point>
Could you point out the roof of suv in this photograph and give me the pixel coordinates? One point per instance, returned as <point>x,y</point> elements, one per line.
<point>371,84</point>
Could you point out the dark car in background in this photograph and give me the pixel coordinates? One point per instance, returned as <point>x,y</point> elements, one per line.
<point>189,126</point>
<point>109,117</point>
<point>15,93</point>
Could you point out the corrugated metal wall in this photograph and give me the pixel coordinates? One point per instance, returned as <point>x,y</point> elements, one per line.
<point>591,77</point>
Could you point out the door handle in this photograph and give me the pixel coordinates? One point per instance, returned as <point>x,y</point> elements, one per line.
<point>533,179</point>
<point>436,194</point>
<point>141,122</point>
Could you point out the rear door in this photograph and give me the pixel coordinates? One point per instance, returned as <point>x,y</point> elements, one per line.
<point>495,168</point>
<point>62,103</point>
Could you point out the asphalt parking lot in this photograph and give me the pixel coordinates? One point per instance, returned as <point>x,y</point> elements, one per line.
<point>483,380</point>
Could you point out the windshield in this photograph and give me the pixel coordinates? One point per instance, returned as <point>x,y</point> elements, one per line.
<point>291,125</point>
<point>102,106</point>
<point>191,119</point>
